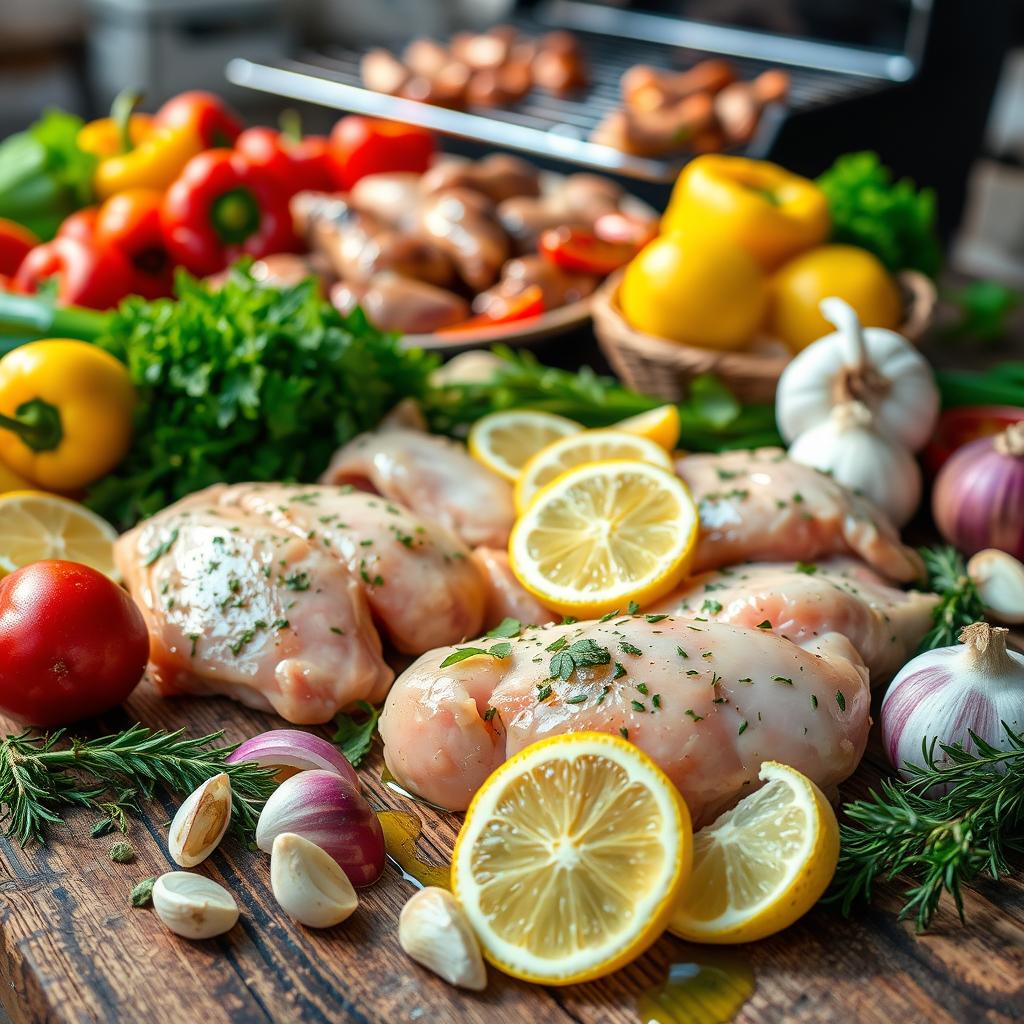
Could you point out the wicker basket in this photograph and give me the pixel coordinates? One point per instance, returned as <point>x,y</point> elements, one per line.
<point>656,366</point>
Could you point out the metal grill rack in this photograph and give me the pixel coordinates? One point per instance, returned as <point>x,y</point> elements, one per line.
<point>542,124</point>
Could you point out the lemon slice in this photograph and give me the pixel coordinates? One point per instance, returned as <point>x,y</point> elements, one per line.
<point>571,857</point>
<point>35,525</point>
<point>660,425</point>
<point>762,865</point>
<point>505,441</point>
<point>582,447</point>
<point>604,534</point>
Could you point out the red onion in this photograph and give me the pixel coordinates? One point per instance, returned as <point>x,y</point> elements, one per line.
<point>328,810</point>
<point>978,501</point>
<point>291,751</point>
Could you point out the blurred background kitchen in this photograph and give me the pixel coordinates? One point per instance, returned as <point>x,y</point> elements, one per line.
<point>935,86</point>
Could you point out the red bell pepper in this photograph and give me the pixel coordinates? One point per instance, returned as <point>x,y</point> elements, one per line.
<point>623,227</point>
<point>582,252</point>
<point>214,121</point>
<point>85,275</point>
<point>80,225</point>
<point>296,165</point>
<point>130,223</point>
<point>524,306</point>
<point>15,243</point>
<point>364,145</point>
<point>221,208</point>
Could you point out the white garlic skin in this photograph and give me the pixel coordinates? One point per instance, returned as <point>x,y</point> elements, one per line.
<point>309,884</point>
<point>434,930</point>
<point>200,823</point>
<point>999,578</point>
<point>193,906</point>
<point>947,693</point>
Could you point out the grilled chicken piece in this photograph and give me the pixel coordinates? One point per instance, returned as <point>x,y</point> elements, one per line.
<point>393,197</point>
<point>761,506</point>
<point>738,697</point>
<point>506,597</point>
<point>498,177</point>
<point>802,601</point>
<point>435,477</point>
<point>248,610</point>
<point>394,303</point>
<point>558,286</point>
<point>420,581</point>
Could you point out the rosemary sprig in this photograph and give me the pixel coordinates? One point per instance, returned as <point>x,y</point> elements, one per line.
<point>42,776</point>
<point>942,826</point>
<point>959,603</point>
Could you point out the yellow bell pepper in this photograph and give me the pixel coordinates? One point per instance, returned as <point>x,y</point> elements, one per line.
<point>757,205</point>
<point>103,138</point>
<point>154,163</point>
<point>65,413</point>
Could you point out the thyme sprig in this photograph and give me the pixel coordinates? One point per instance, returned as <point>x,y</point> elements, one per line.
<point>942,826</point>
<point>959,603</point>
<point>42,776</point>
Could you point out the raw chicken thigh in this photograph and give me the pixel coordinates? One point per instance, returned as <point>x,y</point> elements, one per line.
<point>506,596</point>
<point>708,701</point>
<point>759,505</point>
<point>801,601</point>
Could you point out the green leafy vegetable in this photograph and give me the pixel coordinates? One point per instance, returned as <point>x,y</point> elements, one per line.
<point>353,738</point>
<point>245,382</point>
<point>984,310</point>
<point>1002,384</point>
<point>894,220</point>
<point>959,602</point>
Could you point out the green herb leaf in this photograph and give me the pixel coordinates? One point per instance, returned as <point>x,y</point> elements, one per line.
<point>142,893</point>
<point>578,655</point>
<point>353,738</point>
<point>507,628</point>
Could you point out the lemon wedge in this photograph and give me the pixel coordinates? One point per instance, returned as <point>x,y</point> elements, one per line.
<point>660,425</point>
<point>762,865</point>
<point>35,525</point>
<point>571,857</point>
<point>582,447</point>
<point>505,441</point>
<point>604,534</point>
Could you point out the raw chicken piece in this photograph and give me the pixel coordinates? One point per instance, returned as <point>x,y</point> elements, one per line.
<point>803,601</point>
<point>421,583</point>
<point>506,597</point>
<point>435,477</point>
<point>760,506</point>
<point>709,702</point>
<point>250,611</point>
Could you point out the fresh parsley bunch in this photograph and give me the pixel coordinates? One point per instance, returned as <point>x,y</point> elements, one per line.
<point>245,382</point>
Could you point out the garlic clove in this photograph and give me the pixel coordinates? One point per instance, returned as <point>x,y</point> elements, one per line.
<point>193,906</point>
<point>309,884</point>
<point>434,930</point>
<point>201,822</point>
<point>999,578</point>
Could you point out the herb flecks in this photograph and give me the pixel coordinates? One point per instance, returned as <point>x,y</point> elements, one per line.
<point>579,654</point>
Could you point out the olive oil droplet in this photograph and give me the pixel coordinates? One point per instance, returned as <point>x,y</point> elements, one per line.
<point>393,784</point>
<point>401,830</point>
<point>707,990</point>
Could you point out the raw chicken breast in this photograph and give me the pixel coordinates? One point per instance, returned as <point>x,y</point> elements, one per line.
<point>803,601</point>
<point>709,702</point>
<point>760,506</point>
<point>434,476</point>
<point>421,583</point>
<point>248,610</point>
<point>506,597</point>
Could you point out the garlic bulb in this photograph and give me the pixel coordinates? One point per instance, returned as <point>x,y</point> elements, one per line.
<point>948,693</point>
<point>851,450</point>
<point>875,367</point>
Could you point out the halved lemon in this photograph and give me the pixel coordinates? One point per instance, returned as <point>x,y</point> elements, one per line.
<point>505,441</point>
<point>762,865</point>
<point>577,449</point>
<point>571,857</point>
<point>604,534</point>
<point>660,425</point>
<point>35,525</point>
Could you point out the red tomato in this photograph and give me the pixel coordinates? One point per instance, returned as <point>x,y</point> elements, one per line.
<point>366,145</point>
<point>80,225</point>
<point>72,644</point>
<point>86,275</point>
<point>966,423</point>
<point>15,242</point>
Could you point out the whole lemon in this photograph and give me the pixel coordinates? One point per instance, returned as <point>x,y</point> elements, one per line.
<point>696,290</point>
<point>846,271</point>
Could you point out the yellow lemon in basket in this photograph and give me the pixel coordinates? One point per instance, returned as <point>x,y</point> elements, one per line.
<point>694,289</point>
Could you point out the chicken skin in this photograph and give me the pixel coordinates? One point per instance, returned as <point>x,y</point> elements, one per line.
<point>802,601</point>
<point>761,506</point>
<point>251,611</point>
<point>709,702</point>
<point>434,476</point>
<point>506,596</point>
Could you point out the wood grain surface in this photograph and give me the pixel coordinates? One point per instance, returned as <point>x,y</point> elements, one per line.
<point>74,950</point>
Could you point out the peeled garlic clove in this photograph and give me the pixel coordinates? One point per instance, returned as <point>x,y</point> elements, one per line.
<point>434,930</point>
<point>193,906</point>
<point>201,822</point>
<point>999,578</point>
<point>309,884</point>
